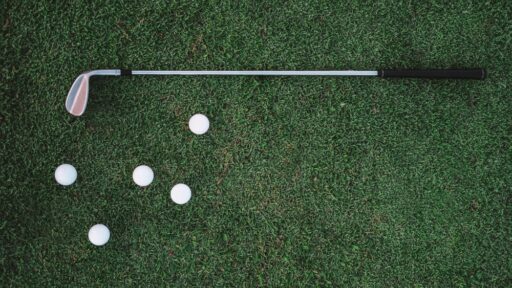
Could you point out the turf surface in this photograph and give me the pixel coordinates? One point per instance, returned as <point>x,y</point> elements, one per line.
<point>299,182</point>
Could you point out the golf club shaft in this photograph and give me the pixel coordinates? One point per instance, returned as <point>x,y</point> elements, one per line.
<point>256,73</point>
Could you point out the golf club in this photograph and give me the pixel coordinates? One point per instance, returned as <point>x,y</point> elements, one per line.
<point>76,101</point>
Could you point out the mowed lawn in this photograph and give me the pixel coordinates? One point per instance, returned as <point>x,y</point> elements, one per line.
<point>299,181</point>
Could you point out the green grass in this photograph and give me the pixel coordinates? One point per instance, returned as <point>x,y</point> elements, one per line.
<point>299,182</point>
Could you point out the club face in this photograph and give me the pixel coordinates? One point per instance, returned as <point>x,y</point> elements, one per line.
<point>76,101</point>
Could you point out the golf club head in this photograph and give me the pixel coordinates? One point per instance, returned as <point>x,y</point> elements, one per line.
<point>76,101</point>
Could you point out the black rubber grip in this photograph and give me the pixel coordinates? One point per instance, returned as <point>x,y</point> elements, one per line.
<point>477,74</point>
<point>126,72</point>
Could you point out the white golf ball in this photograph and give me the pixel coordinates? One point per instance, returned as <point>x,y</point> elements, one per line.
<point>198,124</point>
<point>99,234</point>
<point>143,175</point>
<point>65,174</point>
<point>181,193</point>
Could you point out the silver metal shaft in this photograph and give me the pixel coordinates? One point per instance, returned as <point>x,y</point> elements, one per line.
<point>257,73</point>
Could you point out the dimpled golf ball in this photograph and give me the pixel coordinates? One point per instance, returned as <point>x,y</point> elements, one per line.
<point>199,124</point>
<point>99,234</point>
<point>181,194</point>
<point>143,175</point>
<point>65,174</point>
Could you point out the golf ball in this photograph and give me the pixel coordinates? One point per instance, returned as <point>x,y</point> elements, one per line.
<point>181,193</point>
<point>65,174</point>
<point>99,234</point>
<point>143,175</point>
<point>198,124</point>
